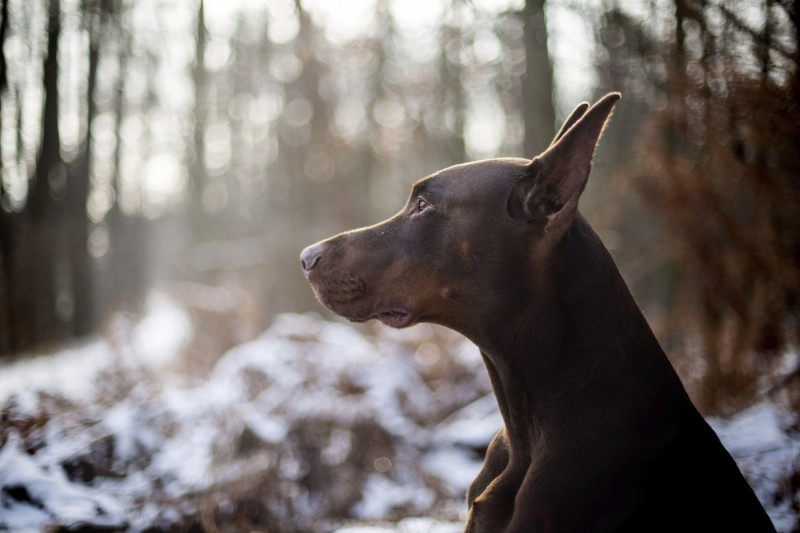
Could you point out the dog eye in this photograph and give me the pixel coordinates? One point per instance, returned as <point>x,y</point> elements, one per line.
<point>421,205</point>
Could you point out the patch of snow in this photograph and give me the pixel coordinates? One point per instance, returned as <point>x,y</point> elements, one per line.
<point>427,525</point>
<point>70,372</point>
<point>156,340</point>
<point>133,433</point>
<point>475,425</point>
<point>408,525</point>
<point>456,467</point>
<point>34,495</point>
<point>760,441</point>
<point>187,460</point>
<point>365,529</point>
<point>382,495</point>
<point>269,429</point>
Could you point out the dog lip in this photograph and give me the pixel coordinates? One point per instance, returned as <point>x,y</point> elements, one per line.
<point>396,318</point>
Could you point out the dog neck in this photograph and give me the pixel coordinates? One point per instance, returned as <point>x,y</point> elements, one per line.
<point>569,345</point>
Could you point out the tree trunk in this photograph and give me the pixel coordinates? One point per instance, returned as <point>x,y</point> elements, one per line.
<point>3,29</point>
<point>794,17</point>
<point>198,179</point>
<point>5,217</point>
<point>42,260</point>
<point>82,283</point>
<point>455,101</point>
<point>537,83</point>
<point>118,278</point>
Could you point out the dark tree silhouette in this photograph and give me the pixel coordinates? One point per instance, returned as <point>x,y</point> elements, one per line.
<point>44,212</point>
<point>537,83</point>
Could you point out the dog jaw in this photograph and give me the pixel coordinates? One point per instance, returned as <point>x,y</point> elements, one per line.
<point>346,295</point>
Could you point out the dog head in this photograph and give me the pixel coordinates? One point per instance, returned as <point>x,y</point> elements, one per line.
<point>468,236</point>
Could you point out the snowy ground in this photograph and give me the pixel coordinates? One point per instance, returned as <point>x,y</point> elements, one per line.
<point>314,426</point>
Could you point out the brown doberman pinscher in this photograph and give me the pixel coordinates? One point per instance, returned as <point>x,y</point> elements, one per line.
<point>599,432</point>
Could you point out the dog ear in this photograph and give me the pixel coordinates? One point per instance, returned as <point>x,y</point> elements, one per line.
<point>554,180</point>
<point>577,113</point>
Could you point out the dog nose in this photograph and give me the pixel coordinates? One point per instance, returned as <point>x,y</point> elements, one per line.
<point>310,256</point>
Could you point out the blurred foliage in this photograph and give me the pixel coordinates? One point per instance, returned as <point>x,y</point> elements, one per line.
<point>719,167</point>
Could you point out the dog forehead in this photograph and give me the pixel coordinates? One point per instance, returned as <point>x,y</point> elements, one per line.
<point>477,177</point>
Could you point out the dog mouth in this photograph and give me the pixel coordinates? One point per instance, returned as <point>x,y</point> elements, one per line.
<point>347,297</point>
<point>396,318</point>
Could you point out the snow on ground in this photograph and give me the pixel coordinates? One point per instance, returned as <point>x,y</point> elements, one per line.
<point>314,426</point>
<point>289,431</point>
<point>766,446</point>
<point>408,525</point>
<point>155,340</point>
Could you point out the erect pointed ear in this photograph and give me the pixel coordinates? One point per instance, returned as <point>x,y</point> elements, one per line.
<point>549,191</point>
<point>577,113</point>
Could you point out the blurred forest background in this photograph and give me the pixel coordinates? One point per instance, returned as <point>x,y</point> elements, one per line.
<point>199,146</point>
